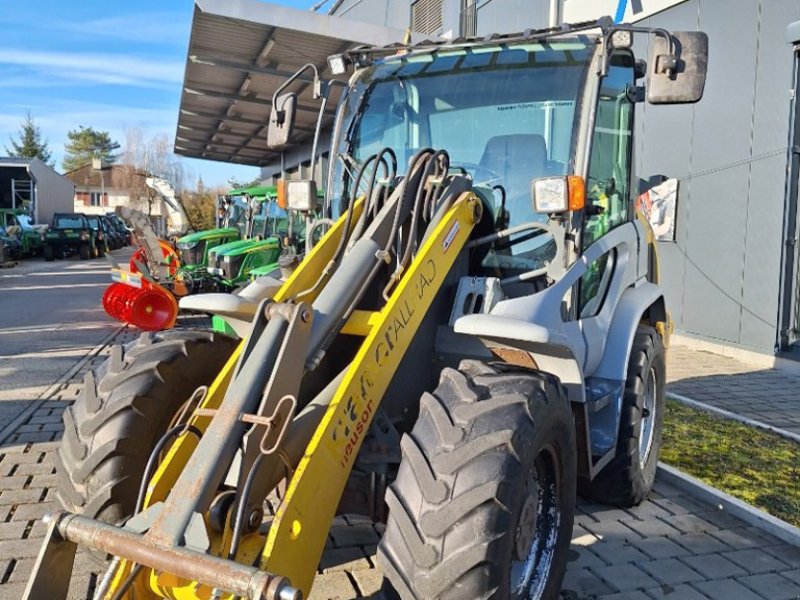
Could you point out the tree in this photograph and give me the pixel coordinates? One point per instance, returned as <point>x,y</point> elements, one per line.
<point>144,157</point>
<point>30,144</point>
<point>84,144</point>
<point>201,207</point>
<point>236,184</point>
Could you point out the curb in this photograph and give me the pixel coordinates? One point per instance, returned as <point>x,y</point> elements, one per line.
<point>734,416</point>
<point>23,417</point>
<point>727,503</point>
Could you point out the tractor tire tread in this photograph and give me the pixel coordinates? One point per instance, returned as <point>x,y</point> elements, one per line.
<point>460,462</point>
<point>119,404</point>
<point>622,482</point>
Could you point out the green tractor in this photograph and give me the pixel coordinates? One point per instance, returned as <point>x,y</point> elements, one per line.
<point>266,225</point>
<point>262,225</point>
<point>194,249</point>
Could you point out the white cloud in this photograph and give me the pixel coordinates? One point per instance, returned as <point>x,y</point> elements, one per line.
<point>111,69</point>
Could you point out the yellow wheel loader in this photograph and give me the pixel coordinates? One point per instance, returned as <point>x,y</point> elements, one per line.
<point>478,336</point>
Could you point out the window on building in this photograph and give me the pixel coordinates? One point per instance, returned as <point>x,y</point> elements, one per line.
<point>96,199</point>
<point>426,16</point>
<point>469,18</point>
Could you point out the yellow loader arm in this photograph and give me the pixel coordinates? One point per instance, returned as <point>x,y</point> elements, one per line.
<point>149,563</point>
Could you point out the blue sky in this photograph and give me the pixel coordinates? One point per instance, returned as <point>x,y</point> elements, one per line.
<point>105,64</point>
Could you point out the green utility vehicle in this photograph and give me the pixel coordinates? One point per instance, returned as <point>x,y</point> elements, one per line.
<point>70,233</point>
<point>12,248</point>
<point>19,224</point>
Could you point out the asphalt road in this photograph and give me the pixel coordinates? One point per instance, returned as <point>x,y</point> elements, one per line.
<point>50,316</point>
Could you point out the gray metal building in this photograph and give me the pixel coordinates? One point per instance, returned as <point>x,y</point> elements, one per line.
<point>724,274</point>
<point>731,275</point>
<point>31,184</point>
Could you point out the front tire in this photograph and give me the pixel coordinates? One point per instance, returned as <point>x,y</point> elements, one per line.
<point>629,477</point>
<point>84,252</point>
<point>49,254</point>
<point>484,500</point>
<point>124,408</point>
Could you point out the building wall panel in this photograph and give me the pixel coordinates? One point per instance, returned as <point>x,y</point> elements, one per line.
<point>54,192</point>
<point>502,16</point>
<point>761,272</point>
<point>714,255</point>
<point>723,118</point>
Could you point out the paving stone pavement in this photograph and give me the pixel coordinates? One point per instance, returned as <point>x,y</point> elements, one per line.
<point>766,395</point>
<point>671,547</point>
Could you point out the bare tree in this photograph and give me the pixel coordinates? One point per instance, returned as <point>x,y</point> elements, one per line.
<point>143,157</point>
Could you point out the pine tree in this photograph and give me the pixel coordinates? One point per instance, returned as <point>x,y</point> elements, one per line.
<point>30,144</point>
<point>85,144</point>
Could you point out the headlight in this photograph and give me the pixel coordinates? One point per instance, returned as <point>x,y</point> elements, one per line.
<point>231,266</point>
<point>558,194</point>
<point>187,245</point>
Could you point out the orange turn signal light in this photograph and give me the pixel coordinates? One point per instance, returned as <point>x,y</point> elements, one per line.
<point>281,185</point>
<point>577,192</point>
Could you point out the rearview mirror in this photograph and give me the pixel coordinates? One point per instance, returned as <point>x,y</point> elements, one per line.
<point>281,121</point>
<point>679,76</point>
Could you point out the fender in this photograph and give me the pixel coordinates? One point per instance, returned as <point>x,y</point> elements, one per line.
<point>634,303</point>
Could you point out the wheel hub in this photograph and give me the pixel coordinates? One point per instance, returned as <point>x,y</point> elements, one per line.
<point>648,422</point>
<point>536,534</point>
<point>526,527</point>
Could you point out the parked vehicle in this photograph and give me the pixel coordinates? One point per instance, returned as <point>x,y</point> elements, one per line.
<point>12,247</point>
<point>71,233</point>
<point>124,231</point>
<point>115,238</point>
<point>19,225</point>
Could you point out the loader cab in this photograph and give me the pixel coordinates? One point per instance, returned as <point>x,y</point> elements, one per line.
<point>517,117</point>
<point>506,114</point>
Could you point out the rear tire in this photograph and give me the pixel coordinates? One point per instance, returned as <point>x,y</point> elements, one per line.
<point>124,408</point>
<point>629,477</point>
<point>487,482</point>
<point>84,252</point>
<point>49,254</point>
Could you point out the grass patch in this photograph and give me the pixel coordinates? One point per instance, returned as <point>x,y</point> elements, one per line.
<point>757,466</point>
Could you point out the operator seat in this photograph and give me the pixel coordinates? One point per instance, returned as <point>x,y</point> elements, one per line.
<point>516,158</point>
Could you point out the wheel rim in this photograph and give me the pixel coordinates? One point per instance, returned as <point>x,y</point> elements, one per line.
<point>537,530</point>
<point>648,430</point>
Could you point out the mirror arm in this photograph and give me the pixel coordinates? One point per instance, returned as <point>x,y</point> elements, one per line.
<point>324,91</point>
<point>286,83</point>
<point>648,30</point>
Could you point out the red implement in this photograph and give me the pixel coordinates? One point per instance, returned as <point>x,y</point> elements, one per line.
<point>149,307</point>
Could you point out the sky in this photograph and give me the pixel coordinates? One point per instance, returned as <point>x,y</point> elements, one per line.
<point>106,64</point>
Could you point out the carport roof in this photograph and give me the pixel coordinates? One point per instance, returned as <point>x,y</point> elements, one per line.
<point>240,52</point>
<point>14,161</point>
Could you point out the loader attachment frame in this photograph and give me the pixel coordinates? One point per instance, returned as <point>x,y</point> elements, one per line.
<point>169,549</point>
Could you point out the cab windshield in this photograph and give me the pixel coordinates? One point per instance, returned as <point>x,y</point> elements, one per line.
<point>505,114</point>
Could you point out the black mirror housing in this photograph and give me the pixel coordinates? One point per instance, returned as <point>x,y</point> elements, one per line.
<point>679,76</point>
<point>281,121</point>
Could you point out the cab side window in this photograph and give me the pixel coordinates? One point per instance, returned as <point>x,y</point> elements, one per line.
<point>609,163</point>
<point>609,178</point>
